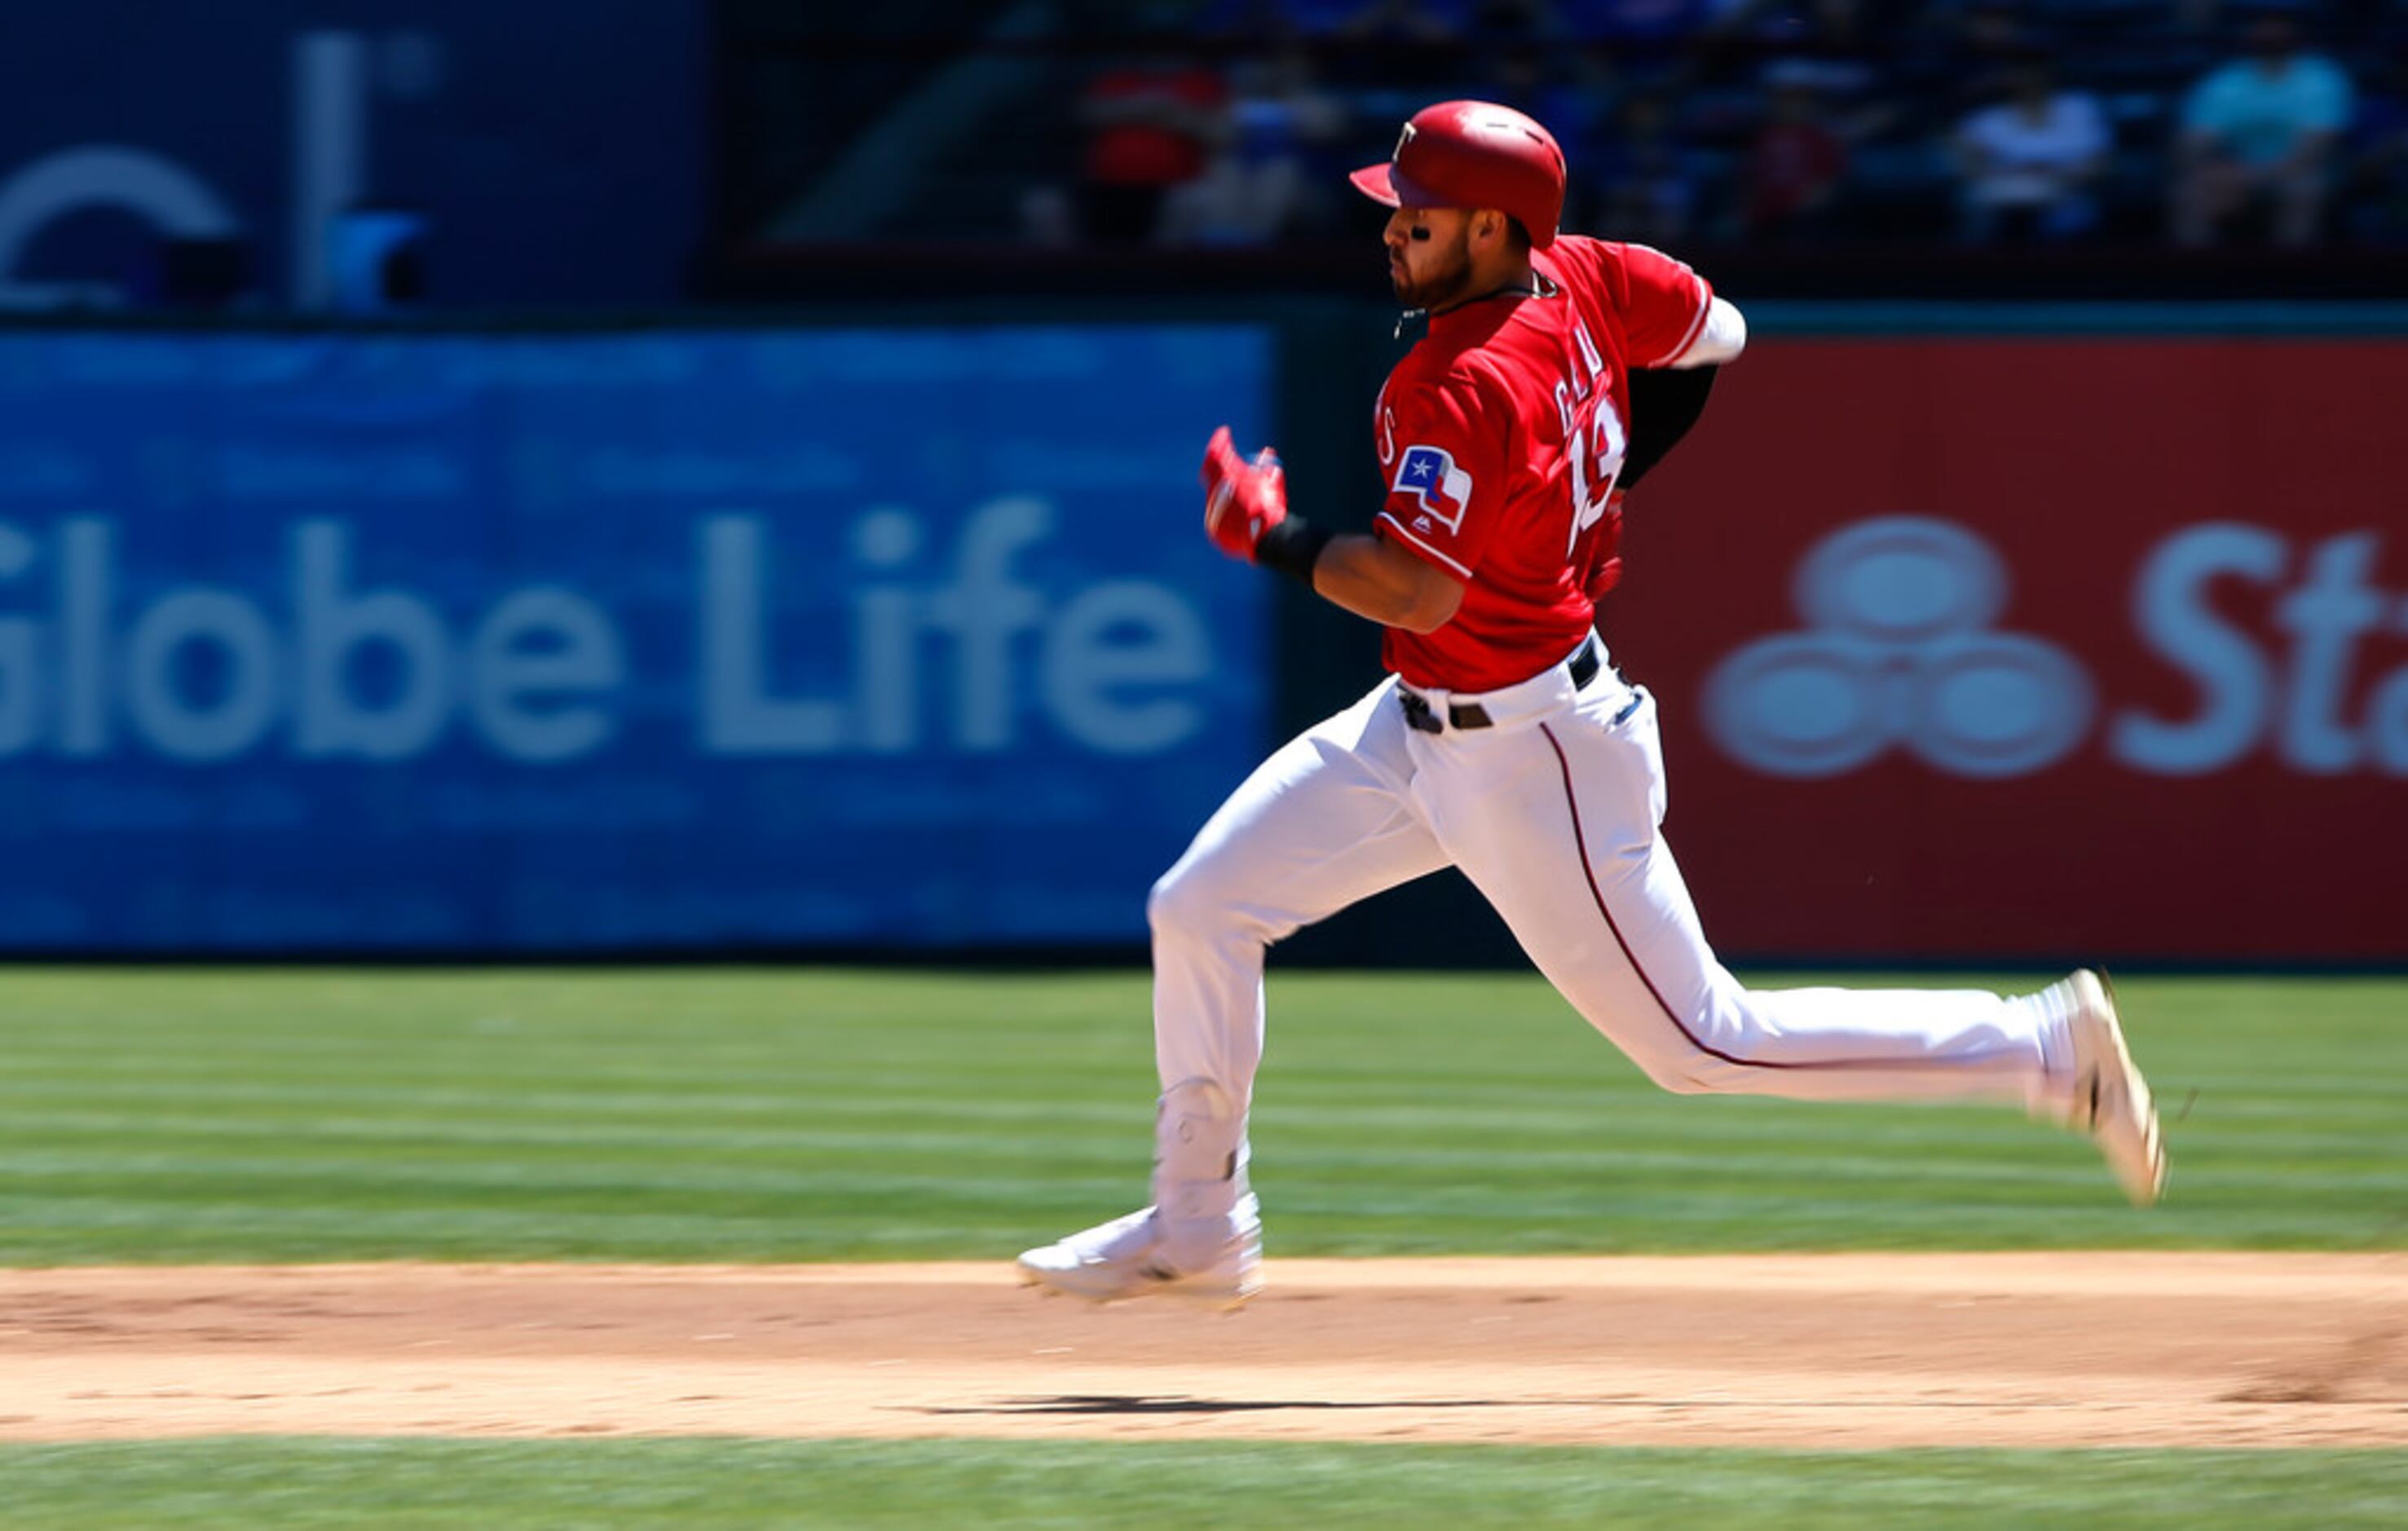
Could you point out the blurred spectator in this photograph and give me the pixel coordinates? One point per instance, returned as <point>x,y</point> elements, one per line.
<point>2198,17</point>
<point>375,259</point>
<point>1647,182</point>
<point>1263,185</point>
<point>1635,23</point>
<point>2260,130</point>
<point>2377,178</point>
<point>1832,28</point>
<point>1150,121</point>
<point>1412,48</point>
<point>1404,21</point>
<point>1532,79</point>
<point>1794,167</point>
<point>1827,47</point>
<point>1362,20</point>
<point>1964,54</point>
<point>2027,164</point>
<point>1527,20</point>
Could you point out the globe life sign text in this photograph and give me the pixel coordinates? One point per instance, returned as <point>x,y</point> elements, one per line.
<point>336,665</point>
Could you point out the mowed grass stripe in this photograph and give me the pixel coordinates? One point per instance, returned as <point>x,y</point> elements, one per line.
<point>631,1157</point>
<point>1602,1106</point>
<point>561,1107</point>
<point>637,1186</point>
<point>829,1114</point>
<point>441,1229</point>
<point>36,1147</point>
<point>188,1233</point>
<point>1104,1119</point>
<point>703,1484</point>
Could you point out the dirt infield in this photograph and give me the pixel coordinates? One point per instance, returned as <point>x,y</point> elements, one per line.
<point>1813,1350</point>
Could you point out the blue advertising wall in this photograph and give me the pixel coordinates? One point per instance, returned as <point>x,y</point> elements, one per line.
<point>555,147</point>
<point>653,639</point>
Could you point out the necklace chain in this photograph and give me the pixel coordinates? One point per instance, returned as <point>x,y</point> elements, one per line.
<point>1540,287</point>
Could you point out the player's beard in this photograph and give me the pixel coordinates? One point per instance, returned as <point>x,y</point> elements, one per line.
<point>1443,279</point>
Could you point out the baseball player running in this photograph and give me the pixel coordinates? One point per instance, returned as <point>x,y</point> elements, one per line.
<point>1503,742</point>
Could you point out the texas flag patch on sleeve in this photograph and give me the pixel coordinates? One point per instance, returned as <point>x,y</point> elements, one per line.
<point>1430,475</point>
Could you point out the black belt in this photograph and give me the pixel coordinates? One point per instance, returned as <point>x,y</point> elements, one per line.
<point>1420,714</point>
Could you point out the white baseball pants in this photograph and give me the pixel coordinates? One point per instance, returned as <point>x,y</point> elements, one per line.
<point>1555,814</point>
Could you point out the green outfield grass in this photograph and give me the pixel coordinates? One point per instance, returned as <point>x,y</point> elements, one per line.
<point>751,1115</point>
<point>698,1486</point>
<point>697,1115</point>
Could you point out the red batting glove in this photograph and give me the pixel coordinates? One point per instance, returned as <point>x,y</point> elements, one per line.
<point>1243,500</point>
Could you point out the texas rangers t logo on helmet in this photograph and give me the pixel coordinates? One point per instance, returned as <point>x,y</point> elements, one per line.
<point>1429,474</point>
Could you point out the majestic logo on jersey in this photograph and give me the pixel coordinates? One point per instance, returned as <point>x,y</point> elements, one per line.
<point>1897,651</point>
<point>1429,474</point>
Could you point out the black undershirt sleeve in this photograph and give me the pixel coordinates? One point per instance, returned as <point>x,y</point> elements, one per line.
<point>1664,404</point>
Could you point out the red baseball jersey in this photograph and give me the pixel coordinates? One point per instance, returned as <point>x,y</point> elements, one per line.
<point>1499,437</point>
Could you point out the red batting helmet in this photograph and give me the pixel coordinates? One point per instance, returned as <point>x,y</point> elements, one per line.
<point>1474,155</point>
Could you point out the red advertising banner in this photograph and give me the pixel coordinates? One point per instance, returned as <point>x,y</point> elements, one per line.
<point>2036,649</point>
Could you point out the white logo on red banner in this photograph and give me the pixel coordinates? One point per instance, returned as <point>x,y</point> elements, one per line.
<point>1898,653</point>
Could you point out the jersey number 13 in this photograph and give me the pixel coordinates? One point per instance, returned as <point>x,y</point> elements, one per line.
<point>1592,437</point>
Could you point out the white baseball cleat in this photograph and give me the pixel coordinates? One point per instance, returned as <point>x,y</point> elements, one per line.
<point>1122,1259</point>
<point>2110,1099</point>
